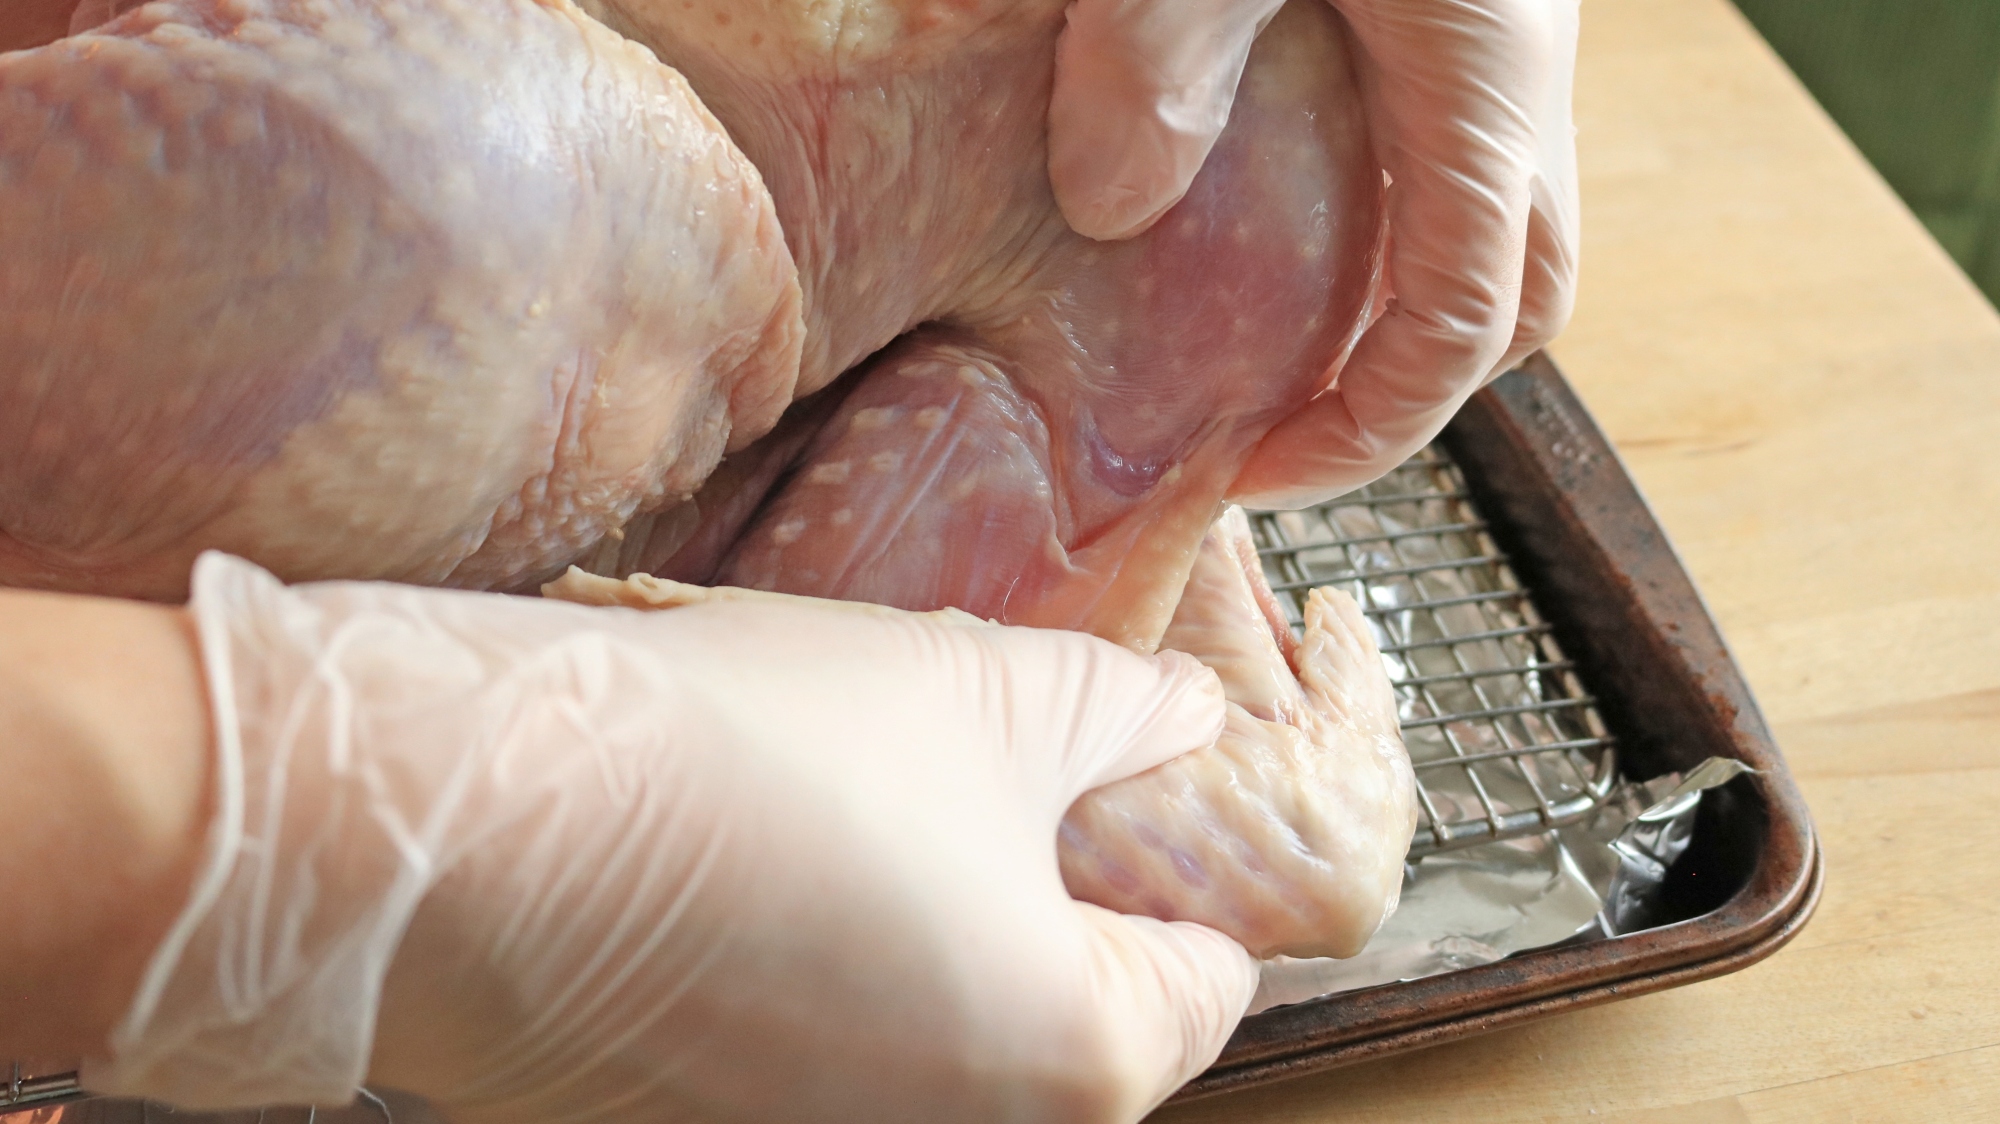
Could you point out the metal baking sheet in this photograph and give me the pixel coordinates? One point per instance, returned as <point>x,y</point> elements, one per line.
<point>1545,641</point>
<point>1544,492</point>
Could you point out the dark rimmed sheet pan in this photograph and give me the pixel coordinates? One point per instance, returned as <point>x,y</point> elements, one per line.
<point>1598,567</point>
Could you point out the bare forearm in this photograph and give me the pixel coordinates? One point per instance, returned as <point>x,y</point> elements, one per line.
<point>104,762</point>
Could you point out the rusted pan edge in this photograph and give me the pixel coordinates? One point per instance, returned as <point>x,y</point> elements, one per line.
<point>1622,605</point>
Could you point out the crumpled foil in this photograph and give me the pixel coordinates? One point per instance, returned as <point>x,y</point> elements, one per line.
<point>1588,881</point>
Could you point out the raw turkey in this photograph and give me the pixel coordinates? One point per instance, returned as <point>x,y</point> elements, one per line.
<point>1050,447</point>
<point>431,290</point>
<point>1053,445</point>
<point>1289,833</point>
<point>463,291</point>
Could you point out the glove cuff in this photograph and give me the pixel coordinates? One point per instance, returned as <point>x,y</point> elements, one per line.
<point>266,988</point>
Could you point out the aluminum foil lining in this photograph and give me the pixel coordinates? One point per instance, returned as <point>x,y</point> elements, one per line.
<point>1588,881</point>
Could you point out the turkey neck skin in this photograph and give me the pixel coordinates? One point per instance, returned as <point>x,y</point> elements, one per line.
<point>1050,448</point>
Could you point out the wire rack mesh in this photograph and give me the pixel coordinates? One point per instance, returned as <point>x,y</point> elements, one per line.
<point>1504,738</point>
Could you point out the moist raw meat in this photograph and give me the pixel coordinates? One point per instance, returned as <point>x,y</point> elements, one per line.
<point>1049,449</point>
<point>451,290</point>
<point>432,290</point>
<point>1289,833</point>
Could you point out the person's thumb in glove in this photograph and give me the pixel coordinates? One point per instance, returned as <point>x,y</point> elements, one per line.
<point>1142,91</point>
<point>1166,995</point>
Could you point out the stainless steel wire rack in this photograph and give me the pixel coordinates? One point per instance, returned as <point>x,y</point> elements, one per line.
<point>1504,738</point>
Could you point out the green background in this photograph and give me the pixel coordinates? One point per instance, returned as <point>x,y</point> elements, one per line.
<point>1916,84</point>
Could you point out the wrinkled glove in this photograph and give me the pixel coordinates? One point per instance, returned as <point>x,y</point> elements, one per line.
<point>736,862</point>
<point>1469,110</point>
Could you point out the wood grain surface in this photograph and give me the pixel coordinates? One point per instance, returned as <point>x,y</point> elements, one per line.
<point>1808,392</point>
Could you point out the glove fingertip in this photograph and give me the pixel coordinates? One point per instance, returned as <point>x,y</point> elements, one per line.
<point>1178,989</point>
<point>1125,140</point>
<point>1187,713</point>
<point>1195,693</point>
<point>1097,195</point>
<point>1139,724</point>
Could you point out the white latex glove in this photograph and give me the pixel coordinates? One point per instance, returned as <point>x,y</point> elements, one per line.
<point>1469,109</point>
<point>735,862</point>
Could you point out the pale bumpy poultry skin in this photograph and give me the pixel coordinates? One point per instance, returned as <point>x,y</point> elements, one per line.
<point>450,291</point>
<point>1050,447</point>
<point>1289,833</point>
<point>434,290</point>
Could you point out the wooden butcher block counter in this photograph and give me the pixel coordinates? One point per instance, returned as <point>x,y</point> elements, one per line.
<point>1808,392</point>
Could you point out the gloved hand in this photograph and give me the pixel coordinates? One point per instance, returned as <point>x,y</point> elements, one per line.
<point>734,862</point>
<point>1469,109</point>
